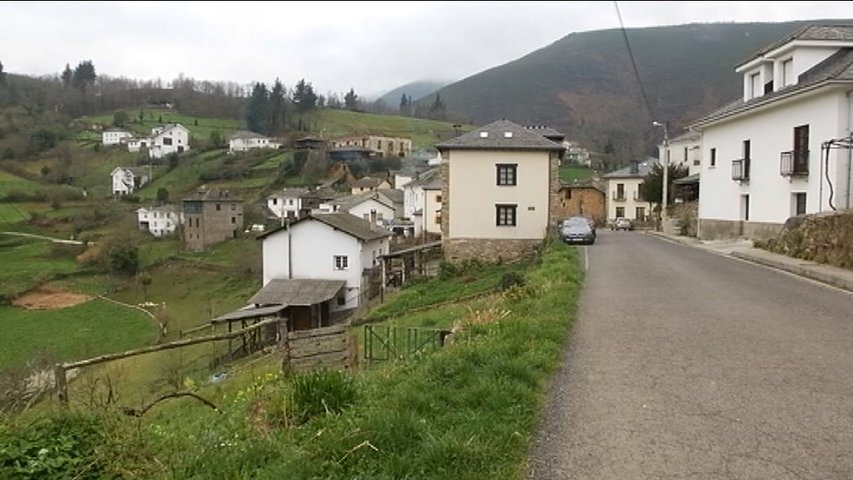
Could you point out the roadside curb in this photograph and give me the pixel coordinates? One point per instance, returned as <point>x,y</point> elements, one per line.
<point>809,270</point>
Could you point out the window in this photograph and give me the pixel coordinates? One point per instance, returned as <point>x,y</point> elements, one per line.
<point>218,207</point>
<point>506,173</point>
<point>620,190</point>
<point>744,207</point>
<point>685,155</point>
<point>342,300</point>
<point>341,262</point>
<point>754,86</point>
<point>438,218</point>
<point>192,207</point>
<point>438,199</point>
<point>233,207</point>
<point>233,220</point>
<point>640,213</point>
<point>713,157</point>
<point>620,212</point>
<point>167,141</point>
<point>275,201</point>
<point>788,72</point>
<point>290,201</point>
<point>800,203</point>
<point>505,215</point>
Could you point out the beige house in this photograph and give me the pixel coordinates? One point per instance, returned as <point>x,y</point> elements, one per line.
<point>211,216</point>
<point>368,184</point>
<point>624,198</point>
<point>500,193</point>
<point>380,145</point>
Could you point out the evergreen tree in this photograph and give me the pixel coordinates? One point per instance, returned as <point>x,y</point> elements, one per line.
<point>278,114</point>
<point>351,100</point>
<point>257,111</point>
<point>405,103</point>
<point>84,75</point>
<point>2,75</point>
<point>304,96</point>
<point>67,76</point>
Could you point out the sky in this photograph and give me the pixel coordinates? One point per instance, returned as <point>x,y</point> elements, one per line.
<point>371,47</point>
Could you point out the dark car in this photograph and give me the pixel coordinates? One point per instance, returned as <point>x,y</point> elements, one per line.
<point>577,230</point>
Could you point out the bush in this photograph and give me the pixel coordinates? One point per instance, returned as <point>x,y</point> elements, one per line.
<point>510,280</point>
<point>319,392</point>
<point>123,259</point>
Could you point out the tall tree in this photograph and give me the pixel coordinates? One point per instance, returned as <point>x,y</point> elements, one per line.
<point>84,75</point>
<point>304,96</point>
<point>67,76</point>
<point>652,186</point>
<point>278,114</point>
<point>257,110</point>
<point>405,103</point>
<point>2,75</point>
<point>351,100</point>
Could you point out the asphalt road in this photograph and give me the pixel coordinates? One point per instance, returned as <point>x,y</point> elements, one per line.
<point>685,364</point>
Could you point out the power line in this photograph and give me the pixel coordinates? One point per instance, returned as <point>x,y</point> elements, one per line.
<point>633,62</point>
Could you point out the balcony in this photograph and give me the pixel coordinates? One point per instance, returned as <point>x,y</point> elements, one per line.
<point>619,196</point>
<point>740,170</point>
<point>638,197</point>
<point>794,163</point>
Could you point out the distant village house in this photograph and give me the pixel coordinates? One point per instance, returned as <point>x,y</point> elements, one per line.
<point>159,221</point>
<point>211,216</point>
<point>126,180</point>
<point>244,141</point>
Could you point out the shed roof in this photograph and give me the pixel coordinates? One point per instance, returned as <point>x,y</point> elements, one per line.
<point>250,312</point>
<point>297,292</point>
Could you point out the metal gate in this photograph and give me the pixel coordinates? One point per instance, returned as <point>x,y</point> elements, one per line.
<point>384,343</point>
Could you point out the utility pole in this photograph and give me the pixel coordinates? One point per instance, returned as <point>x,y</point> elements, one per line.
<point>665,161</point>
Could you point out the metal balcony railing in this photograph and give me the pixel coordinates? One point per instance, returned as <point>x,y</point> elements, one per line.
<point>740,169</point>
<point>793,163</point>
<point>619,197</point>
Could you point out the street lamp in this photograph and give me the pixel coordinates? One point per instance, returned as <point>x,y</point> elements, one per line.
<point>665,161</point>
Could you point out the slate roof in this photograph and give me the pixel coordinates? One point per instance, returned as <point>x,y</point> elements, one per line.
<point>837,67</point>
<point>427,177</point>
<point>251,312</point>
<point>290,193</point>
<point>690,136</point>
<point>350,201</point>
<point>345,222</point>
<point>245,134</point>
<point>297,292</point>
<point>546,132</point>
<point>137,171</point>
<point>393,194</point>
<point>826,32</point>
<point>500,135</point>
<point>687,180</point>
<point>367,182</point>
<point>643,169</point>
<point>212,195</point>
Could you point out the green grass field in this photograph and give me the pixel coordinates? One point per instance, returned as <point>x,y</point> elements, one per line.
<point>10,183</point>
<point>26,263</point>
<point>13,213</point>
<point>569,174</point>
<point>153,117</point>
<point>88,329</point>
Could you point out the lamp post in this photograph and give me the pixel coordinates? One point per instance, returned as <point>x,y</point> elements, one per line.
<point>664,198</point>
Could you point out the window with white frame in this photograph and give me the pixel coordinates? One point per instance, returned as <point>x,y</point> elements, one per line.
<point>788,72</point>
<point>755,85</point>
<point>341,262</point>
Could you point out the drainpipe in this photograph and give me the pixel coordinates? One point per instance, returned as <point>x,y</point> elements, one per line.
<point>849,178</point>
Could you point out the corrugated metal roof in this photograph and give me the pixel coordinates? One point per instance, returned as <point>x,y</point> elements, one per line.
<point>297,292</point>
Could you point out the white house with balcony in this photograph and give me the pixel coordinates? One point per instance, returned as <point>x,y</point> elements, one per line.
<point>783,147</point>
<point>624,192</point>
<point>164,139</point>
<point>331,247</point>
<point>159,221</point>
<point>114,136</point>
<point>245,140</point>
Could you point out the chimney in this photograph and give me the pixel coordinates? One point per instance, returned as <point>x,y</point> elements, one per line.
<point>373,219</point>
<point>635,167</point>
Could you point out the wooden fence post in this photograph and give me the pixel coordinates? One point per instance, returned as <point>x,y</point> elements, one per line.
<point>61,384</point>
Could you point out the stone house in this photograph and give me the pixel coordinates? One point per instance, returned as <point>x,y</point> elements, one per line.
<point>586,198</point>
<point>211,216</point>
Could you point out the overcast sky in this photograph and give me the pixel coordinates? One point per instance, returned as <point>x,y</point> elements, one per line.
<point>370,46</point>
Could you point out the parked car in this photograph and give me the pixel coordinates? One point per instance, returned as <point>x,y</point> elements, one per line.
<point>622,224</point>
<point>577,230</point>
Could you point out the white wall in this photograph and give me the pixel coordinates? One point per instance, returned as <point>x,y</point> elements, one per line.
<point>314,246</point>
<point>413,199</point>
<point>631,194</point>
<point>280,206</point>
<point>179,137</point>
<point>244,144</point>
<point>677,157</point>
<point>474,193</point>
<point>432,209</point>
<point>114,138</point>
<point>160,222</point>
<point>362,210</point>
<point>119,178</point>
<point>771,132</point>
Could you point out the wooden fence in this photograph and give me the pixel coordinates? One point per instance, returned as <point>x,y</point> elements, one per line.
<point>327,347</point>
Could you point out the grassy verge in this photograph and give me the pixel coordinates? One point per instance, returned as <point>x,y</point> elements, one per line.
<point>467,411</point>
<point>569,174</point>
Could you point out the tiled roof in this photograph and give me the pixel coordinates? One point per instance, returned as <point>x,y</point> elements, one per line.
<point>642,169</point>
<point>500,135</point>
<point>298,292</point>
<point>837,67</point>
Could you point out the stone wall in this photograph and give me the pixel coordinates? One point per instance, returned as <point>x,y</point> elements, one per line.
<point>554,214</point>
<point>583,200</point>
<point>824,237</point>
<point>724,229</point>
<point>489,250</point>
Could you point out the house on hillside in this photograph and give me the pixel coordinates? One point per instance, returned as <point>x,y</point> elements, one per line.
<point>416,202</point>
<point>368,184</point>
<point>587,198</point>
<point>159,221</point>
<point>764,154</point>
<point>331,247</point>
<point>114,136</point>
<point>499,198</point>
<point>393,197</point>
<point>211,216</point>
<point>309,143</point>
<point>127,180</point>
<point>376,144</point>
<point>367,206</point>
<point>164,139</point>
<point>245,140</point>
<point>293,203</point>
<point>624,194</point>
<point>685,151</point>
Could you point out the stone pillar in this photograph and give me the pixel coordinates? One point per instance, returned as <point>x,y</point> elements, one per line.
<point>554,190</point>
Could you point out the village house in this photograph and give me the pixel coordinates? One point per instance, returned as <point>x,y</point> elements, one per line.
<point>393,197</point>
<point>685,151</point>
<point>245,140</point>
<point>379,145</point>
<point>624,192</point>
<point>331,247</point>
<point>415,201</point>
<point>783,147</point>
<point>365,206</point>
<point>585,198</point>
<point>292,203</point>
<point>114,136</point>
<point>368,184</point>
<point>499,198</point>
<point>126,180</point>
<point>164,139</point>
<point>211,216</point>
<point>159,221</point>
<point>309,143</point>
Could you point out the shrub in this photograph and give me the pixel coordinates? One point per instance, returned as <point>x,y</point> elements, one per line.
<point>510,280</point>
<point>319,392</point>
